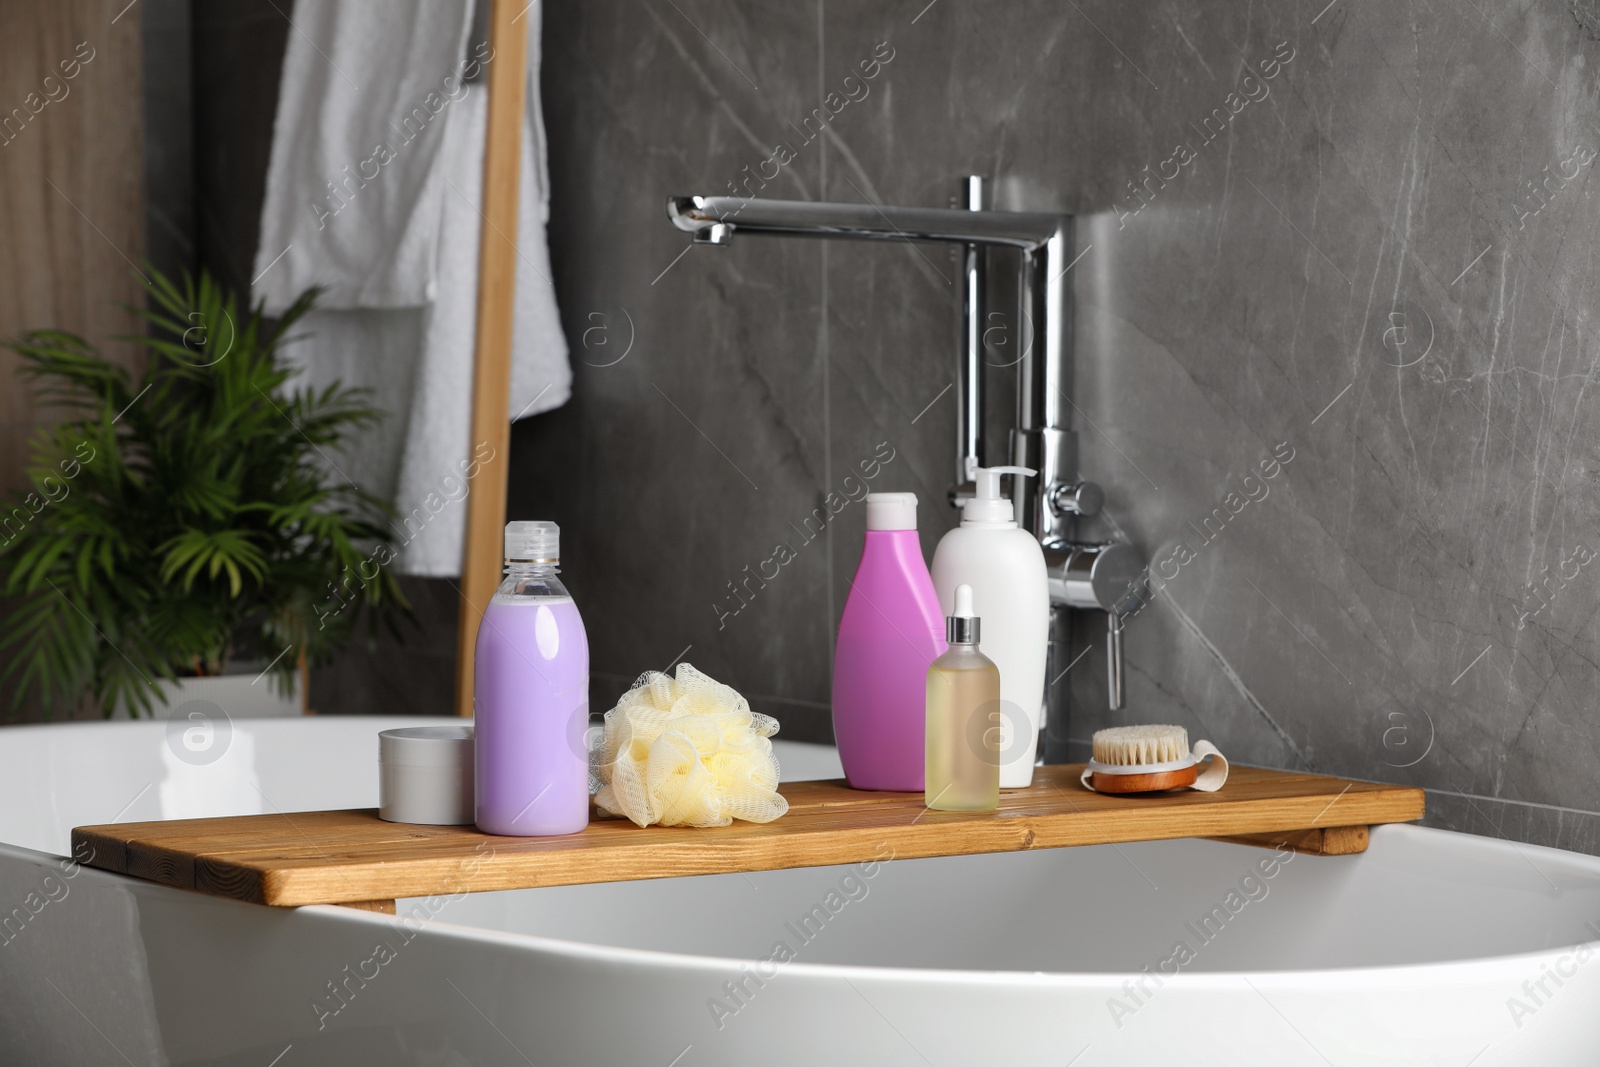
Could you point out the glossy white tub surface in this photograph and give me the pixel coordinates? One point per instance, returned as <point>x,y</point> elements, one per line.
<point>1430,948</point>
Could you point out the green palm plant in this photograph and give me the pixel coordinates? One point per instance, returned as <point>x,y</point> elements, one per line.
<point>186,517</point>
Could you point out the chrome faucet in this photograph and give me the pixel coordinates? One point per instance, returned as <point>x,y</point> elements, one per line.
<point>1085,575</point>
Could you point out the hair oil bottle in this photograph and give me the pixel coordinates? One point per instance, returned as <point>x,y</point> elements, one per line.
<point>963,719</point>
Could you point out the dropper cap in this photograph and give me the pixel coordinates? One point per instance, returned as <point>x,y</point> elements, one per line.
<point>961,626</point>
<point>533,542</point>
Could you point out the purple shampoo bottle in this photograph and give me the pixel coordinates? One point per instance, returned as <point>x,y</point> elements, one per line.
<point>891,631</point>
<point>531,696</point>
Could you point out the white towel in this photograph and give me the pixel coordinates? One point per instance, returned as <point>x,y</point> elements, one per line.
<point>372,193</point>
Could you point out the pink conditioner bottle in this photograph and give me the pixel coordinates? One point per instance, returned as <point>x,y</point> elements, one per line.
<point>891,631</point>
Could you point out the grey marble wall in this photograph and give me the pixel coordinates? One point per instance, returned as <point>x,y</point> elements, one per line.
<point>1377,260</point>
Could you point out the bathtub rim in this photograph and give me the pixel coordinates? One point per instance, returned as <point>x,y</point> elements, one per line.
<point>1461,970</point>
<point>1434,974</point>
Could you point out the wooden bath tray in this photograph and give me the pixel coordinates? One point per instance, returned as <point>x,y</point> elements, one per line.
<point>353,857</point>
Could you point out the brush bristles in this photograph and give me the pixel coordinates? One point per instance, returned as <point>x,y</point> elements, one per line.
<point>1134,746</point>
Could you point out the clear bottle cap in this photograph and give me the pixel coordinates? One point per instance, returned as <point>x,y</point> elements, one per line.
<point>533,541</point>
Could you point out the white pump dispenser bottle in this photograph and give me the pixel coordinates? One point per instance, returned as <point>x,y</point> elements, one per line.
<point>1011,593</point>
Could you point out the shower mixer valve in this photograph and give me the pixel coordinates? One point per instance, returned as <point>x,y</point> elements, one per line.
<point>1096,576</point>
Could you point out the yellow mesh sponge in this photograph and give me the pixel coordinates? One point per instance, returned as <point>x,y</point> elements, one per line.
<point>687,751</point>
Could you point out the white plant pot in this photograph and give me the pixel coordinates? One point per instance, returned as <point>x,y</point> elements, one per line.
<point>239,696</point>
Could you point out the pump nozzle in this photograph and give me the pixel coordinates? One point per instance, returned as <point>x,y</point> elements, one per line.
<point>988,505</point>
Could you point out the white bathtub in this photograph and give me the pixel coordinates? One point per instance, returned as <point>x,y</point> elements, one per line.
<point>1428,949</point>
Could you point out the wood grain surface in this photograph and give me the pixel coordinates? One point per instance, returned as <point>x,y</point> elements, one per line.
<point>338,857</point>
<point>484,541</point>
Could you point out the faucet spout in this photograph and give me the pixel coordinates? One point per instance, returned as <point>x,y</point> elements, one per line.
<point>862,222</point>
<point>1042,326</point>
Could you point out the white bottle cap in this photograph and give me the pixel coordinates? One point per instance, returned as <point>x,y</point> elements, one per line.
<point>891,511</point>
<point>988,506</point>
<point>533,542</point>
<point>425,775</point>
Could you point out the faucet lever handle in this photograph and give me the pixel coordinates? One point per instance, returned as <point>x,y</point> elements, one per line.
<point>717,233</point>
<point>1114,676</point>
<point>1083,499</point>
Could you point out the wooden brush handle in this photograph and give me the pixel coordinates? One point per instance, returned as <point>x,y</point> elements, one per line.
<point>1144,783</point>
